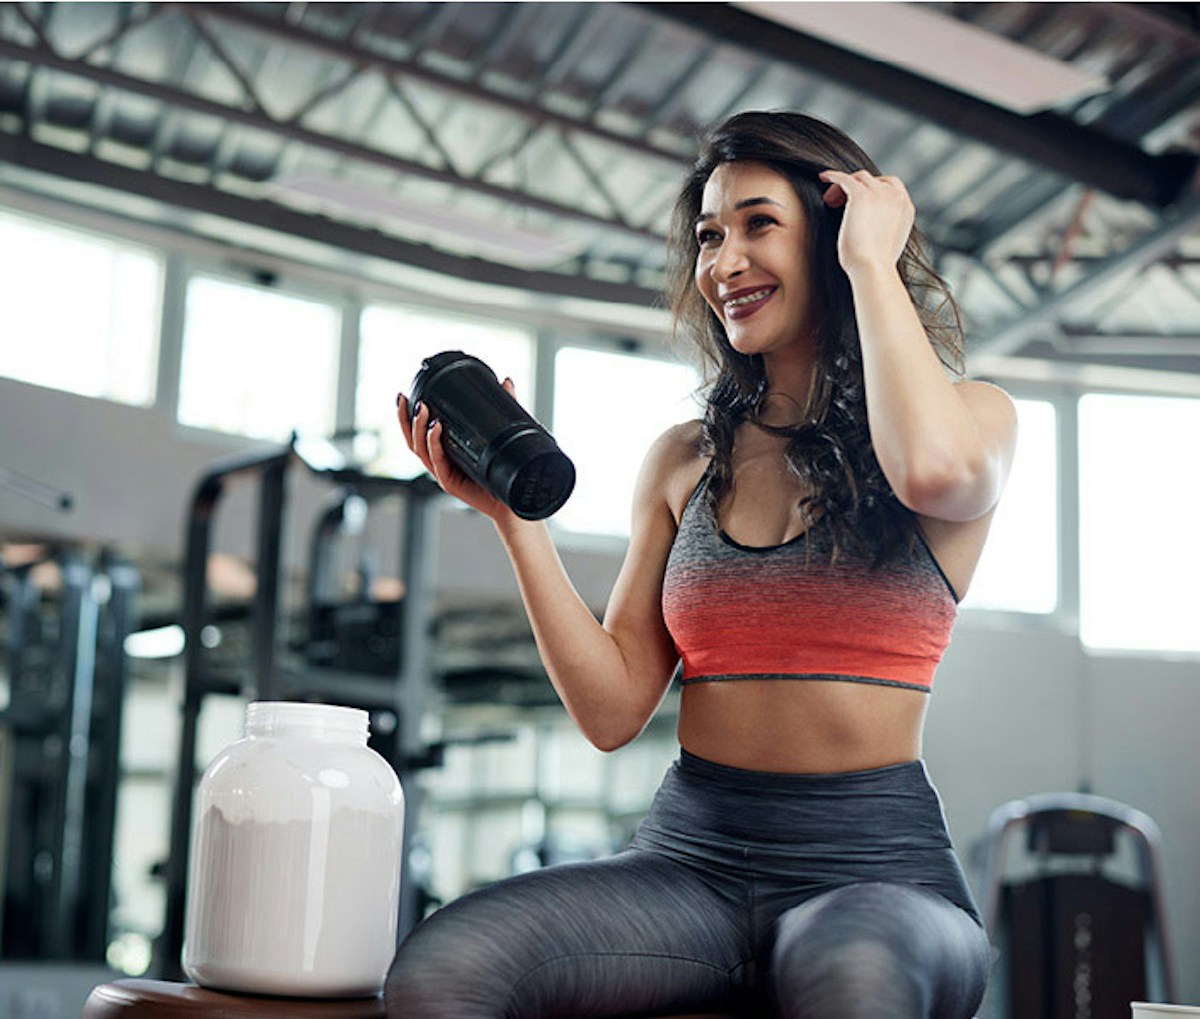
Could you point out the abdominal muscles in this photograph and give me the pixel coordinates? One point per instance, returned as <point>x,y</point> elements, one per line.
<point>801,726</point>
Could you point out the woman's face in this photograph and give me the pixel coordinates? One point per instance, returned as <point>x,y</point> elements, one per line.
<point>753,264</point>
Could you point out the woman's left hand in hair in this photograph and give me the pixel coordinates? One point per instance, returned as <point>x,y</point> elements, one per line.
<point>878,218</point>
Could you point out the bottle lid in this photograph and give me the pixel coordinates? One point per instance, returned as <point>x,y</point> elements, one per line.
<point>433,366</point>
<point>277,718</point>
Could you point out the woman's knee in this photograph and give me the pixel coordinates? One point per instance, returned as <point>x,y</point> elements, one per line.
<point>447,967</point>
<point>545,942</point>
<point>877,949</point>
<point>846,975</point>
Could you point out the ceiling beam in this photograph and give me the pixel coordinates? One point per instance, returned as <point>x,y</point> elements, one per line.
<point>1129,345</point>
<point>1151,247</point>
<point>173,97</point>
<point>236,14</point>
<point>1047,140</point>
<point>279,219</point>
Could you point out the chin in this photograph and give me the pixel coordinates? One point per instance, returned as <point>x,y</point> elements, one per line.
<point>749,345</point>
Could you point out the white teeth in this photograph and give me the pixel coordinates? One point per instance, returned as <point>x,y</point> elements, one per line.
<point>754,295</point>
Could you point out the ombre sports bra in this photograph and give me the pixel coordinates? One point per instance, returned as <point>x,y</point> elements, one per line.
<point>793,611</point>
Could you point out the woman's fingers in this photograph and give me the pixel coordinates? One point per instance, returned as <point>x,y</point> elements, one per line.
<point>402,416</point>
<point>416,434</point>
<point>878,215</point>
<point>885,191</point>
<point>424,436</point>
<point>835,196</point>
<point>441,465</point>
<point>846,182</point>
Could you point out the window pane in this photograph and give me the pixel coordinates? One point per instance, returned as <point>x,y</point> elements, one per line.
<point>1139,544</point>
<point>257,362</point>
<point>80,313</point>
<point>608,409</point>
<point>394,342</point>
<point>1019,568</point>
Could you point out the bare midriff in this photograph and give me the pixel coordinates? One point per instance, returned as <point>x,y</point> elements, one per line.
<point>801,726</point>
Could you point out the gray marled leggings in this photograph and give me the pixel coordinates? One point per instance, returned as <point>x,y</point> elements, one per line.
<point>814,896</point>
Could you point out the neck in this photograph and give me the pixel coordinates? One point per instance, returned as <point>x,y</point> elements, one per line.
<point>790,391</point>
<point>781,410</point>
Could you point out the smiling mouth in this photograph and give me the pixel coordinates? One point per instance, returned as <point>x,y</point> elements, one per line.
<point>747,303</point>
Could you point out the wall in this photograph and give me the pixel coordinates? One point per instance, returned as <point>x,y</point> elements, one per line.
<point>1019,707</point>
<point>1019,710</point>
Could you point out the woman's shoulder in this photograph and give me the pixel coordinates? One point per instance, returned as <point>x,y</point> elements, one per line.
<point>676,462</point>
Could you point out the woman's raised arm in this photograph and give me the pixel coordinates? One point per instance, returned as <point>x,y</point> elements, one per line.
<point>610,676</point>
<point>945,447</point>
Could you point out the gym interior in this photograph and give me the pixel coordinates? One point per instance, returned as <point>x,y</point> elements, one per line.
<point>230,233</point>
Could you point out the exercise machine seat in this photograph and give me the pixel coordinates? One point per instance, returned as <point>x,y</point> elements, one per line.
<point>160,999</point>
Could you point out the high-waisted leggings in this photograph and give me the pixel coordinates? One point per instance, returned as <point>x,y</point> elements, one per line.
<point>816,896</point>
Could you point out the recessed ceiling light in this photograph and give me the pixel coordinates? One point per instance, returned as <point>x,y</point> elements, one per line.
<point>963,56</point>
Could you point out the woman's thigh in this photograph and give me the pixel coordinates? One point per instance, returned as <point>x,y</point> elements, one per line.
<point>636,932</point>
<point>875,950</point>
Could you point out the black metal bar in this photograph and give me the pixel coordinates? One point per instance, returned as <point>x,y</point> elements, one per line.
<point>169,946</point>
<point>279,218</point>
<point>683,81</point>
<point>328,90</point>
<point>1046,139</point>
<point>198,536</point>
<point>236,14</point>
<point>1148,248</point>
<point>77,646</point>
<point>265,620</point>
<point>602,93</point>
<point>112,672</point>
<point>130,18</point>
<point>24,719</point>
<point>229,63</point>
<point>416,608</point>
<point>320,553</point>
<point>294,132</point>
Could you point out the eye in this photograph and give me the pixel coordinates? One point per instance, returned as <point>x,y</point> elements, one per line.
<point>759,220</point>
<point>707,238</point>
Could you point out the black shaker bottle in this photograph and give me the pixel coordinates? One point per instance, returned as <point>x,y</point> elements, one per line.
<point>491,437</point>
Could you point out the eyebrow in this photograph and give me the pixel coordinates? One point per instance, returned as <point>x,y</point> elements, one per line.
<point>745,203</point>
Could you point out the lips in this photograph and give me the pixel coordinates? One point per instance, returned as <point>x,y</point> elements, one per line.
<point>747,301</point>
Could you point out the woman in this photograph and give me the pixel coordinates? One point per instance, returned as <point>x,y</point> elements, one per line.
<point>802,550</point>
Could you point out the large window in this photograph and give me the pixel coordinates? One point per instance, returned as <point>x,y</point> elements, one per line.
<point>1139,543</point>
<point>78,313</point>
<point>256,362</point>
<point>1019,568</point>
<point>608,409</point>
<point>393,344</point>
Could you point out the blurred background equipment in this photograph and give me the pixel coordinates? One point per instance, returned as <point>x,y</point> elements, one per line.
<point>335,663</point>
<point>64,617</point>
<point>1079,911</point>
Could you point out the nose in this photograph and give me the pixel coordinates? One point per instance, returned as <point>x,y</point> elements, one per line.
<point>730,260</point>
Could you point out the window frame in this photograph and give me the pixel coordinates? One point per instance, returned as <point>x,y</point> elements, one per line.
<point>548,350</point>
<point>191,270</point>
<point>1182,392</point>
<point>34,213</point>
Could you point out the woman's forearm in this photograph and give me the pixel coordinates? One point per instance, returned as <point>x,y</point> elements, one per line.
<point>583,660</point>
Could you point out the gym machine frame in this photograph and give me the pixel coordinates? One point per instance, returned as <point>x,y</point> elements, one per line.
<point>68,673</point>
<point>267,679</point>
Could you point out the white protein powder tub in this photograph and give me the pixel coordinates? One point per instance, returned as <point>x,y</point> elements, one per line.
<point>295,873</point>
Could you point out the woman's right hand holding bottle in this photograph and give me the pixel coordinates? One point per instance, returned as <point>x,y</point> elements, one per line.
<point>424,438</point>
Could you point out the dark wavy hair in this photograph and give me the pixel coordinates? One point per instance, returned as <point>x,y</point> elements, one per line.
<point>830,451</point>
